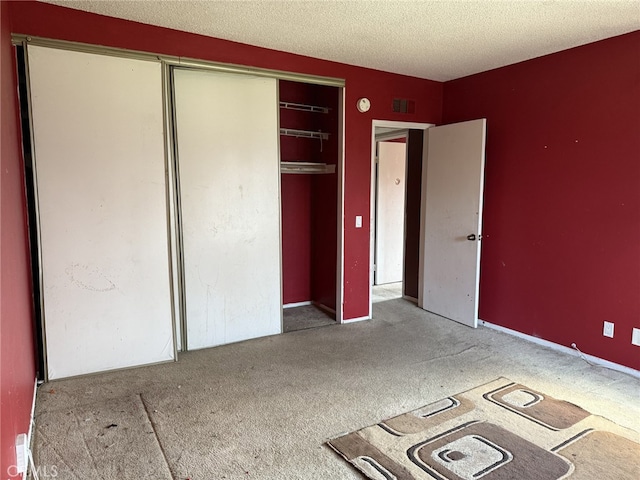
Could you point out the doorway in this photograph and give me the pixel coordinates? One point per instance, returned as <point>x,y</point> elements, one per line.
<point>389,218</point>
<point>447,211</point>
<point>391,167</point>
<point>396,161</point>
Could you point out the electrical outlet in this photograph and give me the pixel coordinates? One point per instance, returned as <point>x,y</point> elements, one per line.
<point>635,337</point>
<point>608,329</point>
<point>22,453</point>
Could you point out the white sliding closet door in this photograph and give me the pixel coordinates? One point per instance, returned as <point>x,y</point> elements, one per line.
<point>227,135</point>
<point>99,156</point>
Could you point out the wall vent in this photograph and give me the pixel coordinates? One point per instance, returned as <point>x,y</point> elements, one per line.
<point>402,105</point>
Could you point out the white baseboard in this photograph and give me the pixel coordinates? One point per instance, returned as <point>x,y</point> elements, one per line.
<point>561,348</point>
<point>32,419</point>
<point>324,307</point>
<point>358,319</point>
<point>296,304</point>
<point>310,302</point>
<point>32,426</point>
<point>411,299</point>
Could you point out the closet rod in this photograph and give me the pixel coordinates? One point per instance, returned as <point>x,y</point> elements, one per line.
<point>306,167</point>
<point>291,132</point>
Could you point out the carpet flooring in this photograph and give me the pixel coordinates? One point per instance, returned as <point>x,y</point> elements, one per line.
<point>263,409</point>
<point>388,291</point>
<point>306,316</point>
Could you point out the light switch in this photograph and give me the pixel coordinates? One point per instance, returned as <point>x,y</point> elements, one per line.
<point>608,329</point>
<point>358,221</point>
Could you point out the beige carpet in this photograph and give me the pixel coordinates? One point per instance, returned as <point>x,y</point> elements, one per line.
<point>263,409</point>
<point>304,317</point>
<point>499,431</point>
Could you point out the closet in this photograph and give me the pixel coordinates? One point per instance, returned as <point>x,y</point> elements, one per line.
<point>176,204</point>
<point>309,153</point>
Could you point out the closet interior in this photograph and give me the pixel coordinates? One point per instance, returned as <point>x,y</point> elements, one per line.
<point>309,153</point>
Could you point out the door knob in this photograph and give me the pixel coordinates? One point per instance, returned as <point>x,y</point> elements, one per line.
<point>471,237</point>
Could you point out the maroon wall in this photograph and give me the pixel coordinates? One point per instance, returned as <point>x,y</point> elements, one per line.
<point>295,193</point>
<point>562,208</point>
<point>309,202</point>
<point>17,369</point>
<point>381,88</point>
<point>324,205</point>
<point>561,247</point>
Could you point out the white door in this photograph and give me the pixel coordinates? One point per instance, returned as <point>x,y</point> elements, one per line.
<point>452,212</point>
<point>99,158</point>
<point>390,195</point>
<point>227,137</point>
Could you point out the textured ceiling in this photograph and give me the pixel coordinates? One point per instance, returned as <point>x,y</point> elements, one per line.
<point>439,40</point>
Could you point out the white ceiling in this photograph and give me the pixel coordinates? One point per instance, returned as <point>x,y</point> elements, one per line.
<point>440,40</point>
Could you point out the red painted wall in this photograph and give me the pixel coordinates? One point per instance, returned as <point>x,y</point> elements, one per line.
<point>561,248</point>
<point>295,192</point>
<point>17,367</point>
<point>324,205</point>
<point>61,23</point>
<point>309,202</point>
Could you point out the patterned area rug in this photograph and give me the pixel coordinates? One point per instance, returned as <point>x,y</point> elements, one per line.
<point>499,431</point>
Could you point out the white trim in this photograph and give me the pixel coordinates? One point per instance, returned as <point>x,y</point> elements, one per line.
<point>397,135</point>
<point>402,125</point>
<point>372,216</point>
<point>323,307</point>
<point>358,319</point>
<point>282,305</point>
<point>372,210</point>
<point>423,203</point>
<point>32,419</point>
<point>561,348</point>
<point>32,426</point>
<point>340,170</point>
<point>410,298</point>
<point>310,302</point>
<point>296,304</point>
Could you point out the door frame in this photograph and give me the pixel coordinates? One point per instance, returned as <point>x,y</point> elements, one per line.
<point>340,170</point>
<point>400,126</point>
